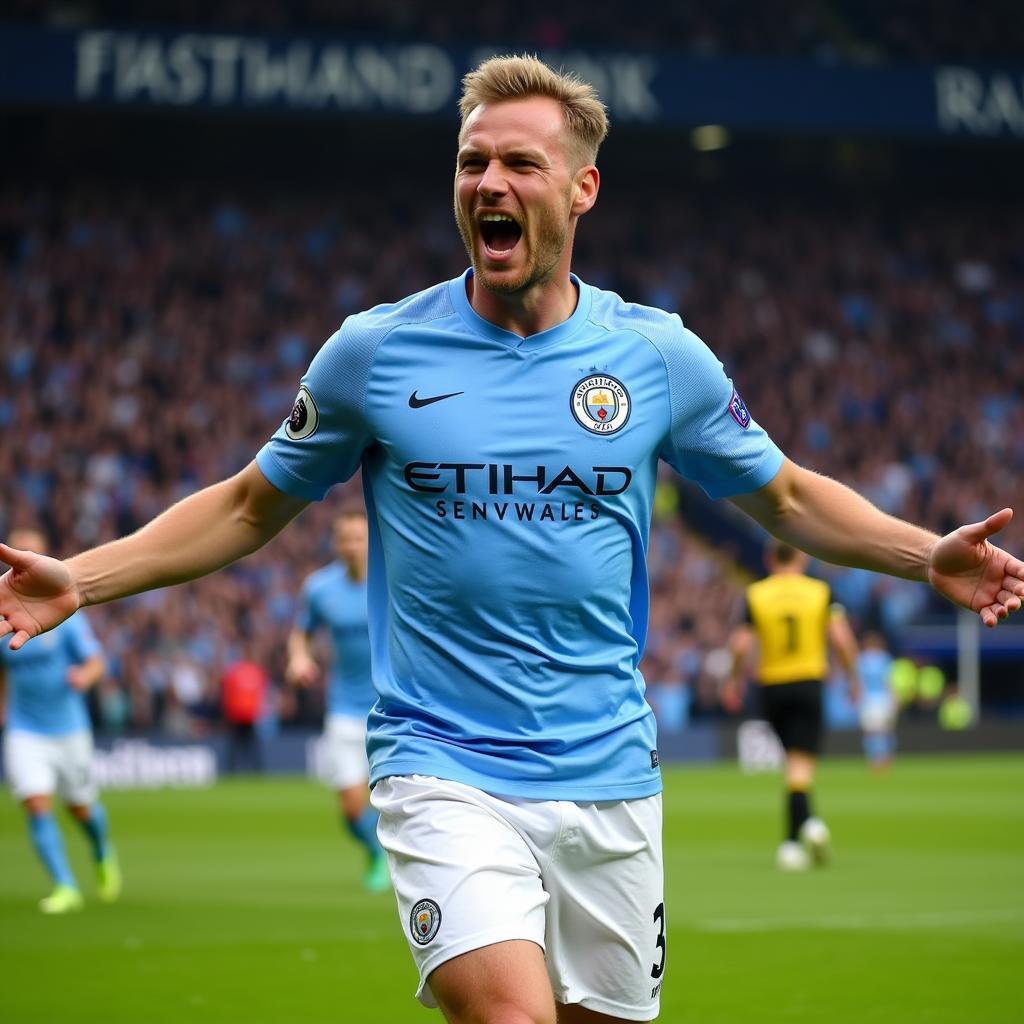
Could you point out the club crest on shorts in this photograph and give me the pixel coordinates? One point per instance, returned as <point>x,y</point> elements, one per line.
<point>424,921</point>
<point>738,409</point>
<point>305,416</point>
<point>600,404</point>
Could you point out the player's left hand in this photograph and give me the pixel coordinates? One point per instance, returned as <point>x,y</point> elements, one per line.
<point>36,594</point>
<point>974,573</point>
<point>79,678</point>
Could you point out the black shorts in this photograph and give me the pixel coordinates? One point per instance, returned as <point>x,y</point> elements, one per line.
<point>794,711</point>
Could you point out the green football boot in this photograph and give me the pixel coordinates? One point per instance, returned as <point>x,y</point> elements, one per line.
<point>63,900</point>
<point>377,878</point>
<point>108,877</point>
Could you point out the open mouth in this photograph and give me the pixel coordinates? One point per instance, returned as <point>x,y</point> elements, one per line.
<point>499,233</point>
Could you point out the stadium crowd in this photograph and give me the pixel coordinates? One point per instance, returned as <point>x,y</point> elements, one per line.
<point>826,31</point>
<point>149,344</point>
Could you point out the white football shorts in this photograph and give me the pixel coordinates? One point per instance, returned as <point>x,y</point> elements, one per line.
<point>39,765</point>
<point>878,713</point>
<point>584,881</point>
<point>345,761</point>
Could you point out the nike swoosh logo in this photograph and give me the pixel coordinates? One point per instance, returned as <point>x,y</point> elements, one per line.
<point>415,402</point>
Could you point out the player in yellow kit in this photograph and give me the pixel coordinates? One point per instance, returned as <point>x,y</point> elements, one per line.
<point>792,620</point>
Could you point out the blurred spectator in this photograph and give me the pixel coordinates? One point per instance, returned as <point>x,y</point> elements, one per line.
<point>151,341</point>
<point>827,31</point>
<point>954,712</point>
<point>244,690</point>
<point>113,708</point>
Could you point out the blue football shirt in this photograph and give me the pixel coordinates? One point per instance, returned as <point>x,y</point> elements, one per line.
<point>39,697</point>
<point>874,667</point>
<point>332,601</point>
<point>509,483</point>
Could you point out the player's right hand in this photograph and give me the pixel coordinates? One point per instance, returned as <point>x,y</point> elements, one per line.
<point>731,696</point>
<point>79,678</point>
<point>36,594</point>
<point>301,671</point>
<point>854,691</point>
<point>966,567</point>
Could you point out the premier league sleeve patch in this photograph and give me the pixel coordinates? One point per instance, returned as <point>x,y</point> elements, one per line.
<point>738,410</point>
<point>424,921</point>
<point>305,416</point>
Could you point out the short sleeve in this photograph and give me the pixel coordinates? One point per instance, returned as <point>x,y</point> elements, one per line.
<point>323,440</point>
<point>713,440</point>
<point>81,640</point>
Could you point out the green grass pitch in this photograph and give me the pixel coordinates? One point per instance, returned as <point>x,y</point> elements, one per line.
<point>242,904</point>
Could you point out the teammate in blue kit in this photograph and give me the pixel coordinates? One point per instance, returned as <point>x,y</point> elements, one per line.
<point>878,706</point>
<point>334,598</point>
<point>48,747</point>
<point>508,425</point>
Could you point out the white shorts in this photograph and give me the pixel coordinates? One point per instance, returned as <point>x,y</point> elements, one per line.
<point>344,748</point>
<point>878,713</point>
<point>584,881</point>
<point>39,765</point>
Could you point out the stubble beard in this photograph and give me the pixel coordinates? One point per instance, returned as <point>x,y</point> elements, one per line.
<point>552,233</point>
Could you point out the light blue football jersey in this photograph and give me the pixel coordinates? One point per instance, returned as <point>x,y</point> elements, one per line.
<point>875,668</point>
<point>331,600</point>
<point>39,697</point>
<point>509,483</point>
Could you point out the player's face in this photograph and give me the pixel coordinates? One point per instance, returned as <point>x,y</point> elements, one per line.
<point>516,192</point>
<point>350,536</point>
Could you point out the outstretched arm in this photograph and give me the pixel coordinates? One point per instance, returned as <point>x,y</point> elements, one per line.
<point>200,534</point>
<point>832,522</point>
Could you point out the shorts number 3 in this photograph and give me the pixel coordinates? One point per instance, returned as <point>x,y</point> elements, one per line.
<point>659,919</point>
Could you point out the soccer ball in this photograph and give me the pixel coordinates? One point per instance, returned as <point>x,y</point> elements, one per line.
<point>792,857</point>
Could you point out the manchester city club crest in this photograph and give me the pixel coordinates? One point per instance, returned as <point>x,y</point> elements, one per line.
<point>600,404</point>
<point>305,416</point>
<point>424,921</point>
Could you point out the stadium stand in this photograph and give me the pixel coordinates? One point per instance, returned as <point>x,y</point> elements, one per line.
<point>825,31</point>
<point>874,346</point>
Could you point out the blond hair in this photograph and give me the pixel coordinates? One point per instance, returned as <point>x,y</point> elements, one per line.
<point>515,76</point>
